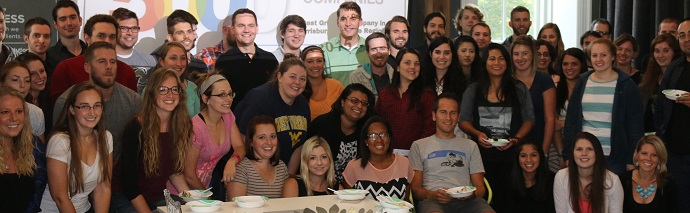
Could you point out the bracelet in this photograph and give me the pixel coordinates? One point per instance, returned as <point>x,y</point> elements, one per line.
<point>239,159</point>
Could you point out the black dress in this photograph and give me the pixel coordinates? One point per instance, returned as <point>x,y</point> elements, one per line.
<point>16,192</point>
<point>665,199</point>
<point>302,188</point>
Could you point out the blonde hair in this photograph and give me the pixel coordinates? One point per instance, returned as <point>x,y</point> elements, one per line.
<point>179,126</point>
<point>529,42</point>
<point>662,170</point>
<point>22,144</point>
<point>307,148</point>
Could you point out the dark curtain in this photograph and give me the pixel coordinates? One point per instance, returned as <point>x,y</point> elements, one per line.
<point>641,18</point>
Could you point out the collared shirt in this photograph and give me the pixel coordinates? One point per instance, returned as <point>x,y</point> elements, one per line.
<point>210,54</point>
<point>245,73</point>
<point>341,60</point>
<point>58,53</point>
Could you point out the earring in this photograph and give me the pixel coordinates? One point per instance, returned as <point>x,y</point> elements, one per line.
<point>637,164</point>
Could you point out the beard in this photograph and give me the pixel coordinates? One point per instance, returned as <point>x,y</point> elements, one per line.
<point>102,82</point>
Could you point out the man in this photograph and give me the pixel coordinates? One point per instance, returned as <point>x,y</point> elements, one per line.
<point>520,22</point>
<point>67,21</point>
<point>69,72</point>
<point>585,40</point>
<point>377,74</point>
<point>181,27</point>
<point>481,33</point>
<point>209,55</point>
<point>246,66</point>
<point>434,27</point>
<point>602,26</point>
<point>668,25</point>
<point>37,36</point>
<point>466,17</point>
<point>121,103</point>
<point>142,64</point>
<point>7,53</point>
<point>397,30</point>
<point>346,51</point>
<point>671,118</point>
<point>292,32</point>
<point>443,161</point>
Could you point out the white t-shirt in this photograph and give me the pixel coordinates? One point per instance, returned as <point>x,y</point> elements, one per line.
<point>59,149</point>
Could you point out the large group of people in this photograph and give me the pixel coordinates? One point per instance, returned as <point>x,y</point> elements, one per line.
<point>533,126</point>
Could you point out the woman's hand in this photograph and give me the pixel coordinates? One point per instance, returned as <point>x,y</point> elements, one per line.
<point>229,171</point>
<point>481,140</point>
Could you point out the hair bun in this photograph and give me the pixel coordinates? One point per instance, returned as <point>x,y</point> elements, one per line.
<point>289,56</point>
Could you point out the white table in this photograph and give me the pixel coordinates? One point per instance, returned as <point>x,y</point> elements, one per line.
<point>297,204</point>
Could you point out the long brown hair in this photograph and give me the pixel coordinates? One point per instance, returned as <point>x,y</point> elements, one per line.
<point>650,80</point>
<point>22,144</point>
<point>179,126</point>
<point>67,124</point>
<point>595,191</point>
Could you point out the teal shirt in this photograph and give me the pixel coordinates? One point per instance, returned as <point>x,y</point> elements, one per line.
<point>193,102</point>
<point>340,61</point>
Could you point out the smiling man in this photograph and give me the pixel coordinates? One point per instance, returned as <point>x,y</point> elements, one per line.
<point>67,21</point>
<point>377,74</point>
<point>37,36</point>
<point>246,66</point>
<point>182,28</point>
<point>292,32</point>
<point>520,22</point>
<point>129,35</point>
<point>398,31</point>
<point>434,27</point>
<point>344,53</point>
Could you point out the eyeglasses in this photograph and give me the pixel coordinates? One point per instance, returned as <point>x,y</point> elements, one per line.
<point>163,90</point>
<point>545,55</point>
<point>356,101</point>
<point>86,108</point>
<point>134,29</point>
<point>378,49</point>
<point>225,95</point>
<point>603,33</point>
<point>374,136</point>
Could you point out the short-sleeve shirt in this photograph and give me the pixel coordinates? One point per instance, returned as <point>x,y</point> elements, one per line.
<point>320,107</point>
<point>391,181</point>
<point>142,64</point>
<point>341,61</point>
<point>59,149</point>
<point>38,124</point>
<point>445,163</point>
<point>343,147</point>
<point>542,82</point>
<point>247,175</point>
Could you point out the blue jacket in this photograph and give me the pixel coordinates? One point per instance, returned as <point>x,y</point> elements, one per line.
<point>627,125</point>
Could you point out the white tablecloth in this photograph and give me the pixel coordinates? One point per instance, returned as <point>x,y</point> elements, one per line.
<point>297,204</point>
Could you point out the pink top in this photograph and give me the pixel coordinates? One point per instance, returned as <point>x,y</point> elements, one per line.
<point>392,181</point>
<point>209,152</point>
<point>584,206</point>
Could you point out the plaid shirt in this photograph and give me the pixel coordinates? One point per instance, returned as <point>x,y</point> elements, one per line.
<point>210,54</point>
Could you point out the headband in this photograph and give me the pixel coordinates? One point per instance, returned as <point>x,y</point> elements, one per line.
<point>208,82</point>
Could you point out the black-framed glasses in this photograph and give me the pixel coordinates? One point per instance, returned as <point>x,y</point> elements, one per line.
<point>225,95</point>
<point>356,101</point>
<point>374,136</point>
<point>86,107</point>
<point>134,29</point>
<point>163,90</point>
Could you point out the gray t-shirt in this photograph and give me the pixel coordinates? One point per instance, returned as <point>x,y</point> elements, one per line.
<point>445,163</point>
<point>119,109</point>
<point>38,126</point>
<point>142,64</point>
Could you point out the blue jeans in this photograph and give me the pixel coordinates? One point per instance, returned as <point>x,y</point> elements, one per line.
<point>679,168</point>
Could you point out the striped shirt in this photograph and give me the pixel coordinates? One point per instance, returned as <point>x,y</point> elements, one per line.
<point>247,175</point>
<point>597,107</point>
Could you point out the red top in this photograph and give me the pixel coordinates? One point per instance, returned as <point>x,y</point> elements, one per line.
<point>407,126</point>
<point>71,71</point>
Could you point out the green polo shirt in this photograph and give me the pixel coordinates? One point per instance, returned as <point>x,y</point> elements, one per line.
<point>340,61</point>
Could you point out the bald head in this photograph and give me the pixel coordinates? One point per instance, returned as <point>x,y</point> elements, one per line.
<point>684,37</point>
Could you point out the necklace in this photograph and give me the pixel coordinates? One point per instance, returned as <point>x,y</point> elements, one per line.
<point>645,192</point>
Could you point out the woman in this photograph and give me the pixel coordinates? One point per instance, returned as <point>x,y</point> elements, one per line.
<point>281,98</point>
<point>532,181</point>
<point>466,17</point>
<point>497,107</point>
<point>22,156</point>
<point>545,59</point>
<point>541,89</point>
<point>172,55</point>
<point>158,139</point>
<point>215,134</point>
<point>320,91</point>
<point>317,174</point>
<point>468,56</point>
<point>262,173</point>
<point>16,76</point>
<point>444,72</point>
<point>37,93</point>
<point>626,52</point>
<point>342,126</point>
<point>606,103</point>
<point>79,139</point>
<point>649,187</point>
<point>377,169</point>
<point>586,185</point>
<point>552,34</point>
<point>573,62</point>
<point>665,49</point>
<point>407,102</point>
